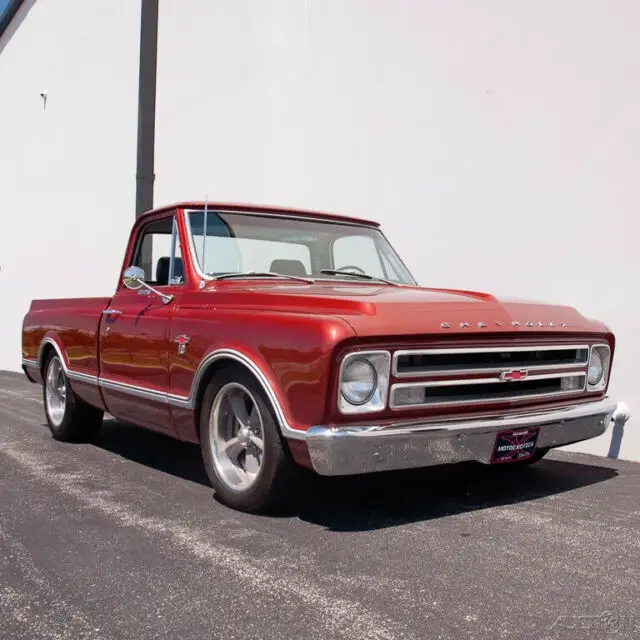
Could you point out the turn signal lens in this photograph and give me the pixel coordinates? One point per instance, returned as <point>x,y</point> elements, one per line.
<point>572,383</point>
<point>408,396</point>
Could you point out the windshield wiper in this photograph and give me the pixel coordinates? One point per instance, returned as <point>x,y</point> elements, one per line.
<point>261,274</point>
<point>356,274</point>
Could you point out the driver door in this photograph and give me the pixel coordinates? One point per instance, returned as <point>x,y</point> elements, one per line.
<point>135,331</point>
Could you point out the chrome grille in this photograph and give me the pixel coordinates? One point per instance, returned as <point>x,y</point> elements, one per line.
<point>482,360</point>
<point>485,375</point>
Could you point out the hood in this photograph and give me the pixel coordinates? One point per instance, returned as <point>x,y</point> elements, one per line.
<point>375,310</point>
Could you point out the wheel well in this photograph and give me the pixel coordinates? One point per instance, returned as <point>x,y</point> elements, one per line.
<point>47,350</point>
<point>227,362</point>
<point>207,376</point>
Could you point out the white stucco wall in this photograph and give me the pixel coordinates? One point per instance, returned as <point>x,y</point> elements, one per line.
<point>67,171</point>
<point>497,142</point>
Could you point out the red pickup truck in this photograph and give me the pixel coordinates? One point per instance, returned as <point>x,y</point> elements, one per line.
<point>280,339</point>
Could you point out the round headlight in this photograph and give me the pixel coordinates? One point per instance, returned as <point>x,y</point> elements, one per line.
<point>359,380</point>
<point>596,368</point>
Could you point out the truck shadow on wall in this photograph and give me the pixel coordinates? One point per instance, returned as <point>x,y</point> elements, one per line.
<point>374,501</point>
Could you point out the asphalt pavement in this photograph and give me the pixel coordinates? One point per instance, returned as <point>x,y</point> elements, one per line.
<point>123,538</point>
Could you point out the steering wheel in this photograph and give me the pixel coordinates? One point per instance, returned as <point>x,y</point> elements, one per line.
<point>352,267</point>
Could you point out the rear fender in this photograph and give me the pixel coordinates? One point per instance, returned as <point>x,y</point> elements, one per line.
<point>84,385</point>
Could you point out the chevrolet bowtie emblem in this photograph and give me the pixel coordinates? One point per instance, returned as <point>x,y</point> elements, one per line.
<point>514,375</point>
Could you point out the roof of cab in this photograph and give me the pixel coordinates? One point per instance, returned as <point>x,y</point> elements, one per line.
<point>256,208</point>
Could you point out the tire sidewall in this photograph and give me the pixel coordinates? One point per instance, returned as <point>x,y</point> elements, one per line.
<point>61,430</point>
<point>275,454</point>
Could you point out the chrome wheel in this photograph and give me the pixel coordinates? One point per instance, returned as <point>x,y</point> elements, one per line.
<point>56,392</point>
<point>236,436</point>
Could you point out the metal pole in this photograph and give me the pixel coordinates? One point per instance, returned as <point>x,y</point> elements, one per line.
<point>145,175</point>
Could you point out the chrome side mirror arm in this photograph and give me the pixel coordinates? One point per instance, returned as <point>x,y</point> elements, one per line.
<point>166,299</point>
<point>133,278</point>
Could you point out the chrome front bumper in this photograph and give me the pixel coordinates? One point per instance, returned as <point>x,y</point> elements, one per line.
<point>345,450</point>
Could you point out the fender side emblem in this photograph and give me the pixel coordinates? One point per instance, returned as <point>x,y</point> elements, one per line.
<point>182,341</point>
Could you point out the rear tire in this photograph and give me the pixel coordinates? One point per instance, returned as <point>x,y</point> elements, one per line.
<point>248,463</point>
<point>69,418</point>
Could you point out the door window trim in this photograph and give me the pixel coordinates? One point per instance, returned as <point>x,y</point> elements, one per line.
<point>175,236</point>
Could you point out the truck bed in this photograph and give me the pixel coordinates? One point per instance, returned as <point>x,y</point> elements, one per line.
<point>75,322</point>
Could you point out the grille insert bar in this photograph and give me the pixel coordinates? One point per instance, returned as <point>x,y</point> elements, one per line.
<point>416,363</point>
<point>460,392</point>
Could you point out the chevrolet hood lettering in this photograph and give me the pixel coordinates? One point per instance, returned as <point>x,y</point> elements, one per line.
<point>499,323</point>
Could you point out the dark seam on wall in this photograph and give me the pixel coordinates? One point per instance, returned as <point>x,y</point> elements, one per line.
<point>145,168</point>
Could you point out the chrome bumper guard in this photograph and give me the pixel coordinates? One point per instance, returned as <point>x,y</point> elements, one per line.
<point>353,449</point>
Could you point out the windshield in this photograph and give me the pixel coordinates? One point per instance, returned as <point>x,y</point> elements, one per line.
<point>241,242</point>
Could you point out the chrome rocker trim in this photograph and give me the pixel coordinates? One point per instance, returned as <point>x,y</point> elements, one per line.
<point>180,402</point>
<point>353,449</point>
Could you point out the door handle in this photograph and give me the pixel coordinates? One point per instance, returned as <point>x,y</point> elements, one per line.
<point>112,312</point>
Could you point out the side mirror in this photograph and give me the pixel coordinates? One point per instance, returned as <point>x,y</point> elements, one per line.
<point>133,278</point>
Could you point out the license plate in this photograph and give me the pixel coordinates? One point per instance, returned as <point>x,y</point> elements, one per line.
<point>515,445</point>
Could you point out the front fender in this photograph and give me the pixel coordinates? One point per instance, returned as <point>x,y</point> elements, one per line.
<point>289,355</point>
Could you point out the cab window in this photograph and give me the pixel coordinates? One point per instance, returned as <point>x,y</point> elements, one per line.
<point>159,253</point>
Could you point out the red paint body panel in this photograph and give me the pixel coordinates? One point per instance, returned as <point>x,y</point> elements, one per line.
<point>379,310</point>
<point>72,324</point>
<point>134,350</point>
<point>292,350</point>
<point>294,333</point>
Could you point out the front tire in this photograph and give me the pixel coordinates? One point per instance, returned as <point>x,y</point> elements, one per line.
<point>246,459</point>
<point>69,418</point>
